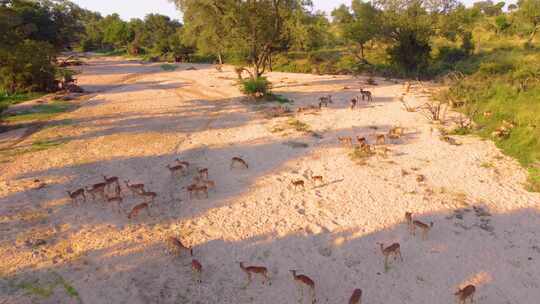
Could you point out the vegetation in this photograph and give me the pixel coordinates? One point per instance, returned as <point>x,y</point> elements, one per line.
<point>39,112</point>
<point>259,87</point>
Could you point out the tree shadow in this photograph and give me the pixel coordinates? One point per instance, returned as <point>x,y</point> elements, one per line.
<point>465,246</point>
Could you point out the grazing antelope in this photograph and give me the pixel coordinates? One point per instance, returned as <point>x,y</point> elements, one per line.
<point>380,139</point>
<point>176,247</point>
<point>366,95</point>
<point>345,140</point>
<point>303,280</point>
<point>196,269</point>
<point>112,180</point>
<point>183,163</point>
<point>175,170</point>
<point>138,208</point>
<point>425,228</point>
<point>353,103</point>
<point>356,297</point>
<point>118,200</point>
<point>135,188</point>
<point>408,218</point>
<point>298,183</point>
<point>393,249</point>
<point>466,293</point>
<point>317,178</point>
<point>197,189</point>
<point>76,194</point>
<point>98,188</point>
<point>203,173</point>
<point>249,270</point>
<point>150,195</point>
<point>238,160</point>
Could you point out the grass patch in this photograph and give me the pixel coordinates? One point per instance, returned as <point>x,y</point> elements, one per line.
<point>298,125</point>
<point>40,145</point>
<point>461,131</point>
<point>44,288</point>
<point>486,165</point>
<point>168,67</point>
<point>258,88</point>
<point>281,99</point>
<point>7,100</point>
<point>39,112</point>
<point>360,155</point>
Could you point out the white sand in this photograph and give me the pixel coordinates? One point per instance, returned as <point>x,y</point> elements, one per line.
<point>142,118</point>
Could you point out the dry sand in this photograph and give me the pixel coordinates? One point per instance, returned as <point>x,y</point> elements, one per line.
<point>140,118</point>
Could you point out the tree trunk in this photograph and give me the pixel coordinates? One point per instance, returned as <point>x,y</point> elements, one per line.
<point>531,37</point>
<point>362,51</point>
<point>220,58</point>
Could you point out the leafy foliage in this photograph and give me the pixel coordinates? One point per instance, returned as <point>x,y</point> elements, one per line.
<point>258,87</point>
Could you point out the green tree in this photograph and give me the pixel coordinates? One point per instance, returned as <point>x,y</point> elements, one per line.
<point>410,27</point>
<point>529,13</point>
<point>116,33</point>
<point>359,26</point>
<point>254,29</point>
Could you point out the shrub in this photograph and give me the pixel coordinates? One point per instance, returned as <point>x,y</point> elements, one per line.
<point>28,68</point>
<point>451,55</point>
<point>493,68</point>
<point>256,87</point>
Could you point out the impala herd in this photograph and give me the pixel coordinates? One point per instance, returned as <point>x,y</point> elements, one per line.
<point>109,191</point>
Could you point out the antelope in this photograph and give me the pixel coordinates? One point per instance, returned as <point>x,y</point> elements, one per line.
<point>113,180</point>
<point>175,169</point>
<point>361,141</point>
<point>151,195</point>
<point>117,199</point>
<point>249,270</point>
<point>366,94</point>
<point>135,188</point>
<point>395,133</point>
<point>98,188</point>
<point>353,102</point>
<point>466,293</point>
<point>298,183</point>
<point>176,247</point>
<point>238,160</point>
<point>325,100</point>
<point>301,109</point>
<point>76,194</point>
<point>197,189</point>
<point>425,228</point>
<point>356,297</point>
<point>183,163</point>
<point>345,140</point>
<point>303,280</point>
<point>407,87</point>
<point>196,268</point>
<point>393,249</point>
<point>203,173</point>
<point>135,211</point>
<point>408,218</point>
<point>380,139</point>
<point>317,178</point>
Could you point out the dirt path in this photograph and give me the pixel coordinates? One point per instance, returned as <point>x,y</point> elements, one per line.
<point>486,226</point>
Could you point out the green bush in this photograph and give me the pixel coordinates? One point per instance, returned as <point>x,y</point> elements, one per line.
<point>256,87</point>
